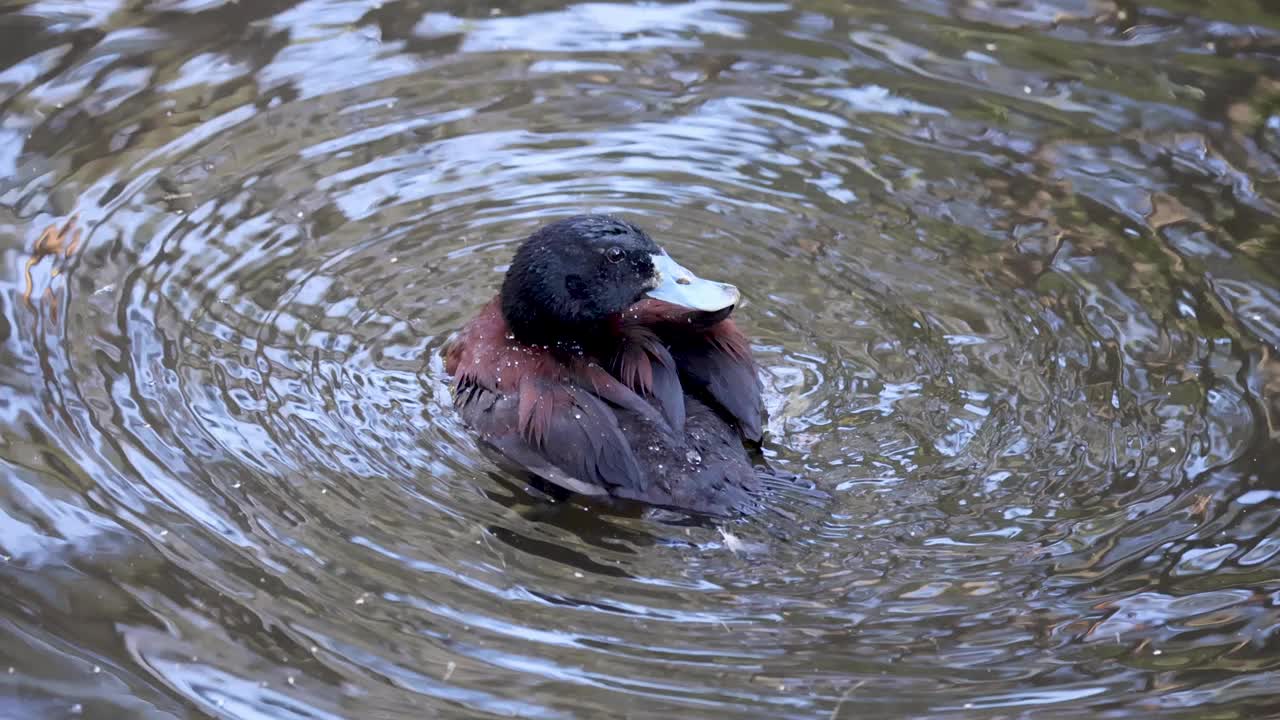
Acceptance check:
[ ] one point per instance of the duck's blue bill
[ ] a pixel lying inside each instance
(678, 286)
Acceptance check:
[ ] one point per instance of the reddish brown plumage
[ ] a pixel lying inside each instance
(486, 356)
(667, 320)
(637, 351)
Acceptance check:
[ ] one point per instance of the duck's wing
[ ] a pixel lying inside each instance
(713, 359)
(555, 420)
(563, 435)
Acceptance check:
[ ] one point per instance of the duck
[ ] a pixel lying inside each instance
(605, 369)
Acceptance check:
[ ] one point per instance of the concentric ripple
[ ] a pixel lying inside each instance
(1010, 270)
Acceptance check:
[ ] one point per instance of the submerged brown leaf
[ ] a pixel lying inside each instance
(54, 242)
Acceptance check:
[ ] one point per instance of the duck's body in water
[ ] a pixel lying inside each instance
(606, 369)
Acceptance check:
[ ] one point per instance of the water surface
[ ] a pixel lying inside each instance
(1011, 269)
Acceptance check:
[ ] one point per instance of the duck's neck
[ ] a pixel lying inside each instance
(557, 334)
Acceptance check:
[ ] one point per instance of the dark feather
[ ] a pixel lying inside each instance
(732, 384)
(575, 442)
(608, 388)
(714, 359)
(646, 366)
(708, 472)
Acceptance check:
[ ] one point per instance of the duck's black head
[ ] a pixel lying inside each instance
(572, 275)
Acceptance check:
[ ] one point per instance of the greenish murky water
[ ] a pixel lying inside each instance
(1012, 270)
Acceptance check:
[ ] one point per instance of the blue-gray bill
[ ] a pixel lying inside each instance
(679, 286)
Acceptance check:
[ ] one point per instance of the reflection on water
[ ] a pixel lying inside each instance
(1011, 269)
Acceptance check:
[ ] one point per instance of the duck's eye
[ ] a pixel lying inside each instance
(614, 254)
